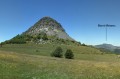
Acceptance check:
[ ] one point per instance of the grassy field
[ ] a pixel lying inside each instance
(24, 62)
(46, 49)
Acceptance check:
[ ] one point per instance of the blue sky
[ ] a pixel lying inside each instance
(78, 17)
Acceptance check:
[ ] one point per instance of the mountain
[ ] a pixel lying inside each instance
(50, 27)
(109, 48)
(106, 46)
(46, 30)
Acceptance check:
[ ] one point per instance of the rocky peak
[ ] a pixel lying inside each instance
(49, 26)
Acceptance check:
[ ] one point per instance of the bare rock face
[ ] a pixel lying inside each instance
(49, 26)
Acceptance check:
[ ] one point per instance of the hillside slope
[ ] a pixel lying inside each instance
(46, 49)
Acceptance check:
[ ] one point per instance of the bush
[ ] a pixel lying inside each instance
(37, 50)
(84, 44)
(0, 44)
(57, 53)
(69, 54)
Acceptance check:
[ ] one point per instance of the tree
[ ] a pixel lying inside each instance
(38, 36)
(19, 39)
(117, 51)
(84, 44)
(69, 54)
(44, 37)
(79, 43)
(57, 52)
(1, 44)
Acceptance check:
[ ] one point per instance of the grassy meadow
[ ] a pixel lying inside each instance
(28, 61)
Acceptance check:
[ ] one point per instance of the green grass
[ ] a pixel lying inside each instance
(46, 49)
(23, 62)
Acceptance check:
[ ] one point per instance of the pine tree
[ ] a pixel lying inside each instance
(57, 52)
(69, 54)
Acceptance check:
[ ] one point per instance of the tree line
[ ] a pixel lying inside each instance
(22, 39)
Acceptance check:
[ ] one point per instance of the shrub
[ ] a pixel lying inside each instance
(37, 50)
(44, 37)
(57, 52)
(69, 54)
(84, 44)
(0, 44)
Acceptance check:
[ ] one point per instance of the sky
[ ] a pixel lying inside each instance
(79, 18)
